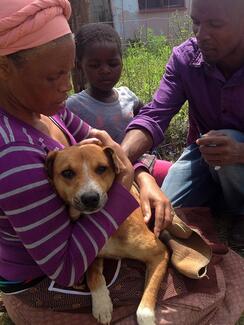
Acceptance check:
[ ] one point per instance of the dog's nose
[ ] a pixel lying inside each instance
(90, 200)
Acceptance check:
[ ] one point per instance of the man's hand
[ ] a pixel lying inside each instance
(151, 196)
(219, 149)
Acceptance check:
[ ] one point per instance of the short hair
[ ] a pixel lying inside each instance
(95, 32)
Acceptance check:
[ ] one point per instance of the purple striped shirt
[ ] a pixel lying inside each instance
(36, 234)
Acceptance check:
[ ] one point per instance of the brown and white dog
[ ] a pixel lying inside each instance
(82, 176)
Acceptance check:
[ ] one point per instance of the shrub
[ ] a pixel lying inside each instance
(180, 28)
(144, 65)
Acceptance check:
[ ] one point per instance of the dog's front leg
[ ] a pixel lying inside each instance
(102, 307)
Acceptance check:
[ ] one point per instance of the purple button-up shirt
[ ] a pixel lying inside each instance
(214, 102)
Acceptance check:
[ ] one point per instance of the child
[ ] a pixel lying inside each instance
(99, 58)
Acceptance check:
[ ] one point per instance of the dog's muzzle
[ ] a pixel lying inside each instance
(89, 202)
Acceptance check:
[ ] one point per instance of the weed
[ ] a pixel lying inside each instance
(144, 65)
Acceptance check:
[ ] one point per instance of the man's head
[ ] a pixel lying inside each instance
(219, 29)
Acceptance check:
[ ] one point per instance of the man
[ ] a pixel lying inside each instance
(208, 71)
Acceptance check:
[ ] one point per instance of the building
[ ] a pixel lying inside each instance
(131, 17)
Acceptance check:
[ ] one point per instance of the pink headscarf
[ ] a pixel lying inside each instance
(26, 24)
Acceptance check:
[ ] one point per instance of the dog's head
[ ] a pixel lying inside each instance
(82, 176)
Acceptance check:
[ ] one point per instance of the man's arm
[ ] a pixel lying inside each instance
(146, 130)
(136, 143)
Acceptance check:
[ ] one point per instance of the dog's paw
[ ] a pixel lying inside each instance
(145, 316)
(102, 306)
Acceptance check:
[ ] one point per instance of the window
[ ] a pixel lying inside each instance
(160, 4)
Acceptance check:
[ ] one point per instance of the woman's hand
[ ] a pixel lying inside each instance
(126, 173)
(151, 196)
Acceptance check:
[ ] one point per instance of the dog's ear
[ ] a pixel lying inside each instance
(117, 163)
(49, 163)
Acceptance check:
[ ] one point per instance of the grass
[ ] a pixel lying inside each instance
(144, 63)
(241, 321)
(5, 320)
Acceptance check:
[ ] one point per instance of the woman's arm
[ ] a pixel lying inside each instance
(62, 249)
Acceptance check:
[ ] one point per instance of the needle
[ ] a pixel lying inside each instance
(211, 145)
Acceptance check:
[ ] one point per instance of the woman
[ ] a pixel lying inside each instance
(38, 241)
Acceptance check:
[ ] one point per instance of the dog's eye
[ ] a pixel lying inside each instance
(101, 169)
(68, 173)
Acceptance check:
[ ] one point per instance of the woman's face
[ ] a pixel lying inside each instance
(41, 83)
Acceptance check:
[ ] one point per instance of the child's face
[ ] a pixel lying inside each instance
(102, 65)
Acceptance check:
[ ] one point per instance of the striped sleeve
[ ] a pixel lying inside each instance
(62, 249)
(76, 126)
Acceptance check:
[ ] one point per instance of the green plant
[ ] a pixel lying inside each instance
(175, 136)
(144, 64)
(180, 28)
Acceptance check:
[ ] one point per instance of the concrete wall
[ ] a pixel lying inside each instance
(128, 20)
